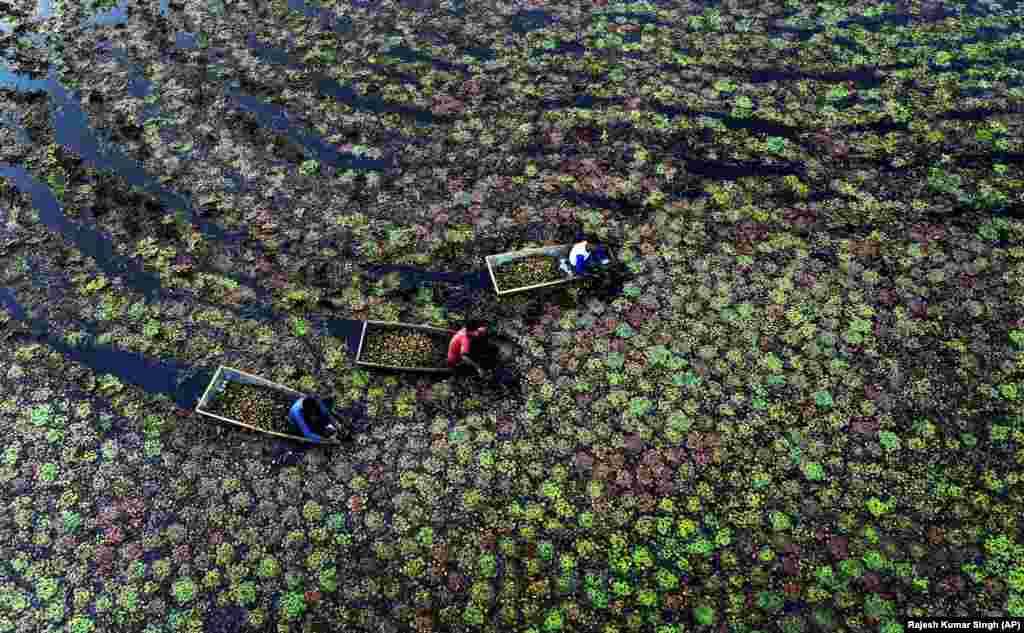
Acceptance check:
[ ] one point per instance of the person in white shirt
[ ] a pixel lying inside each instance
(582, 261)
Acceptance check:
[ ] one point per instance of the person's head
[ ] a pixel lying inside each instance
(310, 410)
(475, 327)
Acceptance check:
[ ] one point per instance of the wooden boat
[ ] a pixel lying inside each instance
(370, 326)
(558, 252)
(225, 375)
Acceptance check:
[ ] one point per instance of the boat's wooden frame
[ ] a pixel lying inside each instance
(407, 326)
(558, 251)
(223, 375)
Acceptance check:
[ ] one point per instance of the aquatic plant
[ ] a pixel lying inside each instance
(293, 604)
(184, 590)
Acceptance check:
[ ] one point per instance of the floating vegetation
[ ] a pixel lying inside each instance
(259, 406)
(797, 407)
(528, 271)
(397, 347)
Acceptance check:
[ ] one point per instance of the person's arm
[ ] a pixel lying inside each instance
(307, 433)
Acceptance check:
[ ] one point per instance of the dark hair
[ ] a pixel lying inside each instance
(473, 324)
(310, 409)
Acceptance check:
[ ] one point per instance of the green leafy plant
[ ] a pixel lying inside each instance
(813, 471)
(293, 604)
(268, 568)
(640, 406)
(877, 507)
(770, 601)
(488, 566)
(823, 399)
(704, 614)
(875, 560)
(184, 590)
(553, 621)
(780, 521)
(667, 581)
(889, 440)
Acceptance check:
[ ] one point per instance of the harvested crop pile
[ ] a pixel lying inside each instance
(259, 406)
(405, 348)
(528, 271)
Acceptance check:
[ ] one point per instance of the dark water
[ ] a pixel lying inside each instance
(89, 241)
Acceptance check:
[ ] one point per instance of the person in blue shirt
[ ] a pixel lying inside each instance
(314, 419)
(583, 260)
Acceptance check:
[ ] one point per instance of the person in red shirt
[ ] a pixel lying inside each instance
(458, 349)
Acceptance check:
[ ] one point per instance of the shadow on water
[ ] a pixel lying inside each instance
(531, 20)
(112, 16)
(90, 241)
(329, 20)
(182, 383)
(277, 119)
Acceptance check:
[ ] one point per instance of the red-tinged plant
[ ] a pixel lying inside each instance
(651, 457)
(105, 559)
(553, 137)
(313, 596)
(805, 279)
(927, 233)
(584, 461)
(216, 537)
(801, 217)
(936, 535)
(873, 392)
(439, 553)
(792, 589)
(644, 475)
(665, 486)
(114, 535)
(968, 281)
(583, 399)
(488, 541)
(471, 87)
(447, 104)
(441, 218)
(646, 502)
(356, 503)
(633, 442)
(871, 581)
(888, 297)
(182, 553)
(456, 582)
(585, 134)
(865, 425)
(424, 621)
(952, 584)
(839, 546)
(752, 231)
(624, 479)
(791, 565)
(374, 472)
(865, 248)
(919, 309)
(506, 426)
